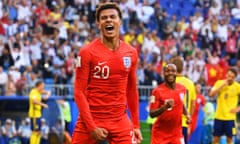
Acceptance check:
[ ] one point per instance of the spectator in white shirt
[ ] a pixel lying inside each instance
(24, 16)
(15, 74)
(214, 10)
(1, 9)
(4, 79)
(195, 73)
(145, 12)
(222, 31)
(197, 21)
(236, 12)
(44, 131)
(24, 131)
(124, 6)
(66, 48)
(24, 11)
(213, 58)
(51, 48)
(35, 48)
(11, 28)
(148, 43)
(26, 52)
(207, 25)
(84, 27)
(134, 6)
(8, 131)
(62, 29)
(16, 50)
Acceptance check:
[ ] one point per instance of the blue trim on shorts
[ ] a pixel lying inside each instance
(185, 134)
(223, 127)
(36, 124)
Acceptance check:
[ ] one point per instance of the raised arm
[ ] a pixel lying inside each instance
(10, 44)
(21, 45)
(216, 89)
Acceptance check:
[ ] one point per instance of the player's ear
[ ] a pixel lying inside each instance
(97, 24)
(120, 23)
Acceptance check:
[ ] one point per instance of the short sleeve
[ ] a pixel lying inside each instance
(193, 92)
(216, 85)
(155, 101)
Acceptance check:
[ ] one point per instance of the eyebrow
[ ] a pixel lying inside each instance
(106, 15)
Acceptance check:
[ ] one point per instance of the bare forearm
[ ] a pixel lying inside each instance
(213, 92)
(157, 112)
(36, 102)
(185, 111)
(48, 93)
(193, 104)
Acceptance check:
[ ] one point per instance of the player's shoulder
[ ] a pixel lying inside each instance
(180, 87)
(160, 87)
(189, 80)
(219, 81)
(33, 92)
(128, 47)
(89, 47)
(185, 80)
(236, 84)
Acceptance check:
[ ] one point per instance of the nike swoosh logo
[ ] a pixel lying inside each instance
(101, 63)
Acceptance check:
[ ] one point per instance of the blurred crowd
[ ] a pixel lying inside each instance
(39, 39)
(15, 132)
(11, 132)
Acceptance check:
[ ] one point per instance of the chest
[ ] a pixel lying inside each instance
(199, 101)
(229, 92)
(177, 96)
(107, 64)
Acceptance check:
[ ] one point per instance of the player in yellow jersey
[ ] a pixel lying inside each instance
(227, 92)
(190, 97)
(35, 109)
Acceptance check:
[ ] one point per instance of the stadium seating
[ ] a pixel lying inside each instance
(49, 81)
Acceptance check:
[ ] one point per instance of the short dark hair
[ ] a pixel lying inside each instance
(107, 5)
(38, 83)
(179, 63)
(233, 70)
(169, 64)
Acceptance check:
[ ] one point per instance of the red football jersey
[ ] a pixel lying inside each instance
(168, 125)
(106, 83)
(200, 101)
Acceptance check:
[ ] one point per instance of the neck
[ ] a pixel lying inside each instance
(39, 90)
(231, 83)
(111, 43)
(170, 85)
(179, 74)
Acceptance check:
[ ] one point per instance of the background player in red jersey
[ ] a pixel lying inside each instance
(166, 103)
(106, 85)
(200, 101)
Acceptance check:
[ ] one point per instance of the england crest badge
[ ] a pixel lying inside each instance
(127, 62)
(182, 96)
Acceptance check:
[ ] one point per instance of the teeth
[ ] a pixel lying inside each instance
(109, 27)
